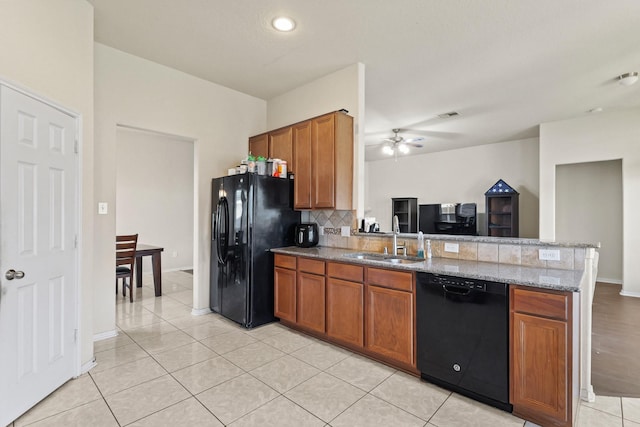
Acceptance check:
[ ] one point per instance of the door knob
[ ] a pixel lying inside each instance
(12, 274)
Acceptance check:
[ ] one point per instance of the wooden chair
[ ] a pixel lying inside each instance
(125, 262)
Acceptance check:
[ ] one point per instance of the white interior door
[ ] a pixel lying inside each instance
(38, 196)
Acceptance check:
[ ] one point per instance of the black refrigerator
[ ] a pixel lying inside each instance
(250, 215)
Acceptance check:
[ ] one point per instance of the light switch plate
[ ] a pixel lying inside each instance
(451, 247)
(345, 231)
(549, 254)
(102, 208)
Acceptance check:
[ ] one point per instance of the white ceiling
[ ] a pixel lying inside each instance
(504, 65)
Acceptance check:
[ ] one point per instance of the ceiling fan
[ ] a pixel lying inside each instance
(396, 143)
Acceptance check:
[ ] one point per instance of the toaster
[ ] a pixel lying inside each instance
(306, 235)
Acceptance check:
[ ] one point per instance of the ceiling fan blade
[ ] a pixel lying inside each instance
(415, 144)
(410, 140)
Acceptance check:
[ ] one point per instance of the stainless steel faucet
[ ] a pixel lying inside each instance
(396, 231)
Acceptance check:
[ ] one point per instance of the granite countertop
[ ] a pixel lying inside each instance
(547, 278)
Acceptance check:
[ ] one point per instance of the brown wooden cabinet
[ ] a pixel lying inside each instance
(281, 146)
(542, 386)
(345, 303)
(302, 162)
(285, 287)
(311, 294)
(259, 145)
(389, 315)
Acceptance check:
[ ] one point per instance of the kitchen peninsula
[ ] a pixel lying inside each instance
(368, 304)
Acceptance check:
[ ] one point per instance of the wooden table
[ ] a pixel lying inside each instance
(154, 252)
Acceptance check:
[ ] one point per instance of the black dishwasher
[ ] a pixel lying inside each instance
(462, 328)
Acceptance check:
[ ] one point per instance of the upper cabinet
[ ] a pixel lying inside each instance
(502, 210)
(319, 152)
(259, 145)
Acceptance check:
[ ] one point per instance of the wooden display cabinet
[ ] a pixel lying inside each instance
(502, 210)
(407, 211)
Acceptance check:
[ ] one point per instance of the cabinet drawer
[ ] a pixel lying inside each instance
(311, 265)
(285, 261)
(401, 280)
(541, 303)
(354, 273)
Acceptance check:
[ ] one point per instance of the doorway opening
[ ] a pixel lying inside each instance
(155, 199)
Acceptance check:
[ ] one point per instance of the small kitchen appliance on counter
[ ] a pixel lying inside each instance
(306, 235)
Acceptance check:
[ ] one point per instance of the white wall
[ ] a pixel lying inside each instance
(589, 209)
(138, 93)
(342, 89)
(604, 136)
(154, 194)
(47, 48)
(462, 175)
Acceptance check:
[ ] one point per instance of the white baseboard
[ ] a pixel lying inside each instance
(88, 366)
(200, 311)
(105, 335)
(587, 394)
(630, 294)
(607, 280)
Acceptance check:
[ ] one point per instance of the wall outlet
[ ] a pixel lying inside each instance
(549, 254)
(103, 208)
(451, 247)
(345, 231)
(174, 254)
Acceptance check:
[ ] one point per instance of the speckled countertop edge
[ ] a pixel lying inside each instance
(484, 239)
(547, 278)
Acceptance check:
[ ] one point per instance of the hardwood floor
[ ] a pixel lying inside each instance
(615, 342)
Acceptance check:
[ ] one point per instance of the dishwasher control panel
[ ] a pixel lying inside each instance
(459, 282)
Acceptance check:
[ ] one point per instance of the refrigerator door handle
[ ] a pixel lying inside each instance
(223, 240)
(216, 232)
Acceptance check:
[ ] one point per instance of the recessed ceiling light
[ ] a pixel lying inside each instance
(596, 110)
(283, 23)
(627, 79)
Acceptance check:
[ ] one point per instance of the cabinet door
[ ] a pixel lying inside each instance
(539, 367)
(302, 165)
(345, 321)
(281, 145)
(311, 301)
(389, 323)
(323, 166)
(259, 145)
(285, 294)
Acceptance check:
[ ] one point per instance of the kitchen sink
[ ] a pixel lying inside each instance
(390, 259)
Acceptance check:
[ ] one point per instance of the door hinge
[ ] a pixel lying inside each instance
(75, 335)
(75, 146)
(75, 242)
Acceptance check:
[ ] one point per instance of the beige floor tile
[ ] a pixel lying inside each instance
(189, 413)
(171, 288)
(608, 404)
(137, 320)
(284, 373)
(237, 397)
(266, 331)
(361, 372)
(72, 394)
(94, 414)
(204, 375)
(371, 412)
(164, 342)
(288, 341)
(631, 409)
(117, 341)
(208, 329)
(144, 399)
(229, 341)
(117, 356)
(628, 423)
(458, 410)
(184, 356)
(280, 412)
(321, 355)
(191, 320)
(411, 394)
(160, 305)
(589, 417)
(182, 294)
(325, 396)
(175, 312)
(127, 375)
(150, 331)
(253, 355)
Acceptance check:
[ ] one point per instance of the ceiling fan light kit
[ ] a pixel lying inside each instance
(627, 79)
(396, 143)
